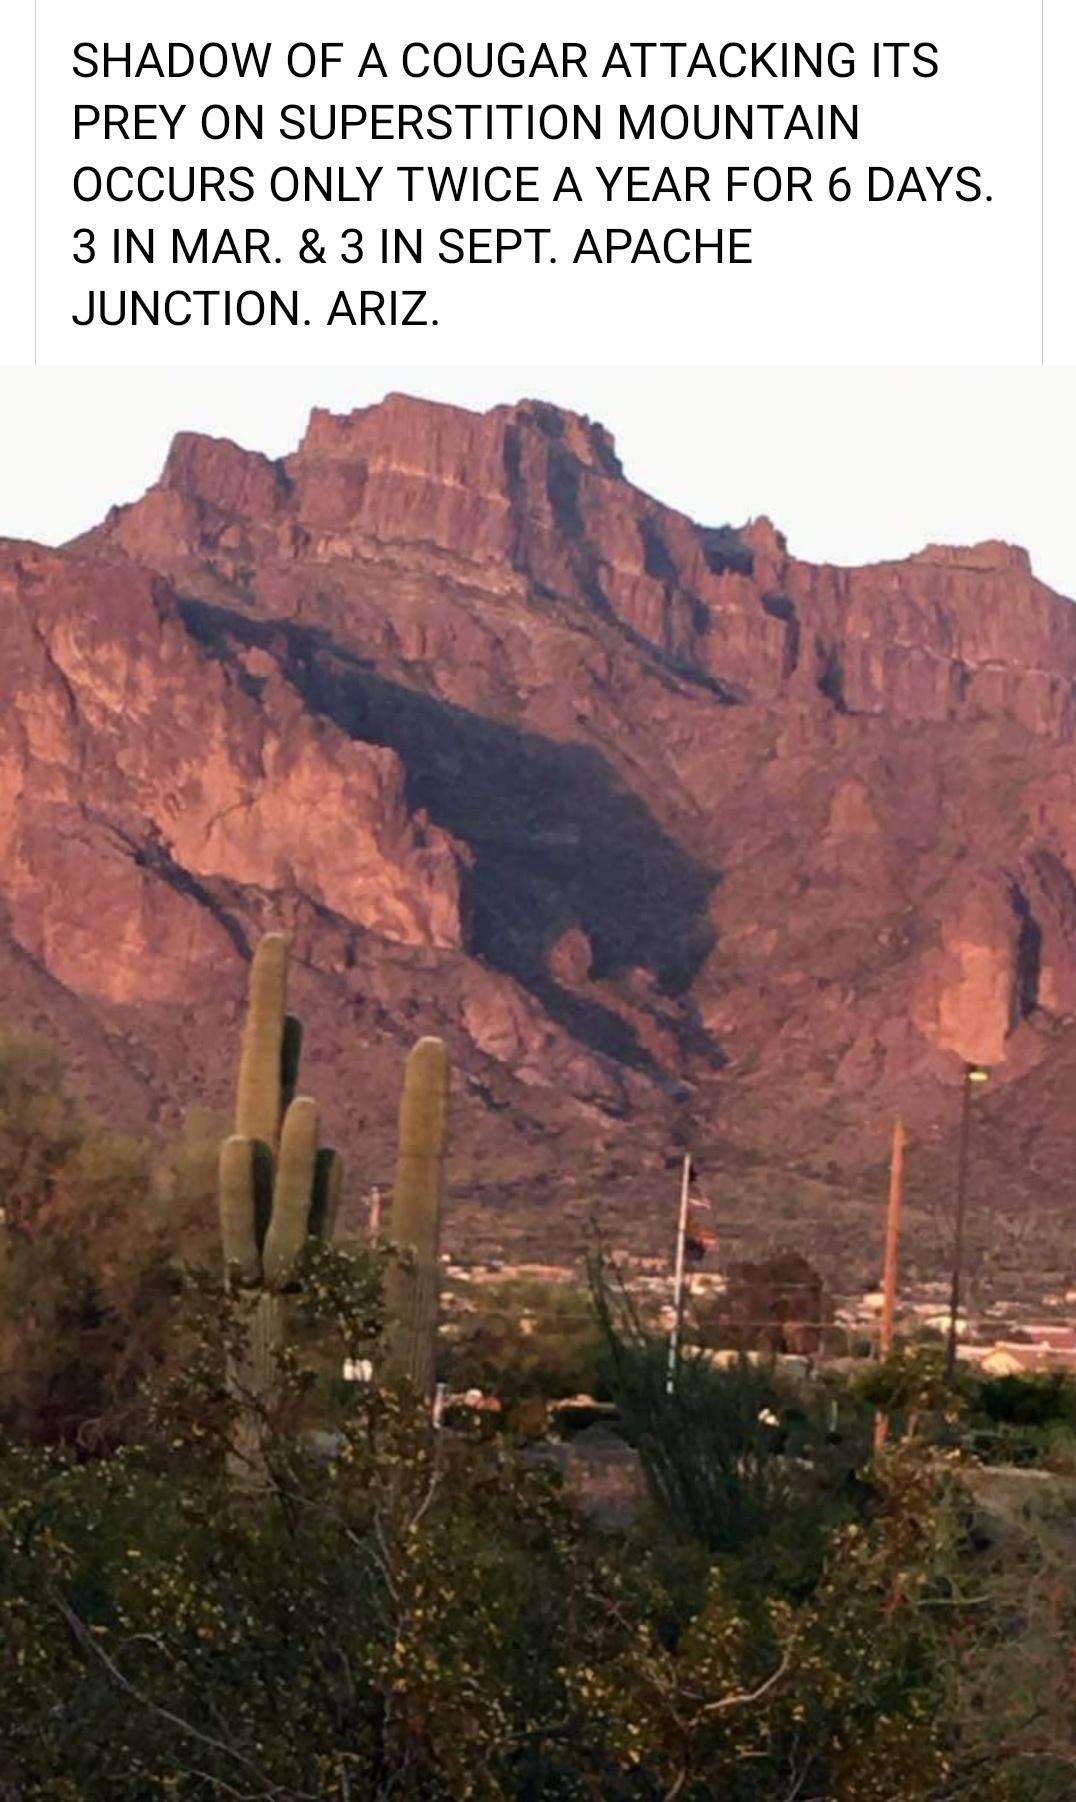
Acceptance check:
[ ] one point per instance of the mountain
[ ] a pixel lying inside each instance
(675, 837)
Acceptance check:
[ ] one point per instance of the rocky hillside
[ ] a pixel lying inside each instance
(671, 834)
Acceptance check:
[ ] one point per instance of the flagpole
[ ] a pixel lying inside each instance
(678, 1279)
(892, 1236)
(892, 1258)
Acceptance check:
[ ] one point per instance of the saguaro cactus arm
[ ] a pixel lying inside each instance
(238, 1212)
(261, 1062)
(293, 1193)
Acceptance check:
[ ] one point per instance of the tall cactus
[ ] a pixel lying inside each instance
(276, 1187)
(411, 1286)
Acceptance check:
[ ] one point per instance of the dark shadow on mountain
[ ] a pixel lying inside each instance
(1028, 955)
(558, 840)
(153, 856)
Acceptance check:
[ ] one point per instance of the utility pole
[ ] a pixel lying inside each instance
(678, 1279)
(892, 1261)
(973, 1073)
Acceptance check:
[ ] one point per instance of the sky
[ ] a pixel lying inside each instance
(853, 465)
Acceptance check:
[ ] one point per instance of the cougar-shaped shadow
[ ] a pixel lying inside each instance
(557, 839)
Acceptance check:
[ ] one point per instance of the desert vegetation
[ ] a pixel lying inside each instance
(226, 1572)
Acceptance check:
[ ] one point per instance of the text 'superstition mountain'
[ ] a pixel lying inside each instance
(673, 837)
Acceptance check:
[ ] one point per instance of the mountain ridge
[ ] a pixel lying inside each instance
(671, 833)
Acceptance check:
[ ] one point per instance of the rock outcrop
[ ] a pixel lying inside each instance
(665, 829)
(135, 767)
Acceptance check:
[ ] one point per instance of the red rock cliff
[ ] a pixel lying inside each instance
(656, 821)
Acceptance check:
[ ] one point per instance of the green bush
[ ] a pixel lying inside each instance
(1039, 1399)
(418, 1615)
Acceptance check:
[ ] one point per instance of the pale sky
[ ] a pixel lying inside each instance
(853, 465)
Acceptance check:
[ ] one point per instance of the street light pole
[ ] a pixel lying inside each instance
(973, 1073)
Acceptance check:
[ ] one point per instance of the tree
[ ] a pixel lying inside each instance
(40, 1125)
(776, 1304)
(90, 1255)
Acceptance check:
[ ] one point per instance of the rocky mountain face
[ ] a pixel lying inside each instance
(673, 836)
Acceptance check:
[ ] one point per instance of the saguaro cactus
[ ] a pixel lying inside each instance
(411, 1286)
(276, 1188)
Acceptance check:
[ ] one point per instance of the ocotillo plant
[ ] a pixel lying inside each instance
(411, 1285)
(277, 1189)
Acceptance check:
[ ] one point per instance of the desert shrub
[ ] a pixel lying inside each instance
(92, 1243)
(736, 1458)
(1039, 1399)
(421, 1615)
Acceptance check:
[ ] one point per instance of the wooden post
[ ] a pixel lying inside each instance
(892, 1260)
